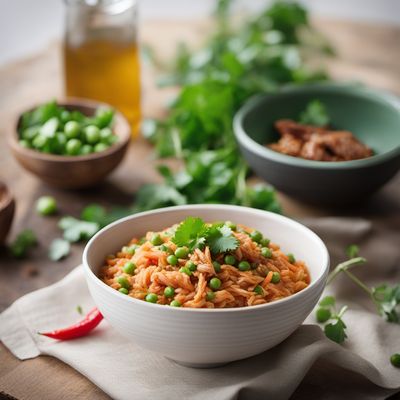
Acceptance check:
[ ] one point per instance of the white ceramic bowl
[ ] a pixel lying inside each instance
(207, 337)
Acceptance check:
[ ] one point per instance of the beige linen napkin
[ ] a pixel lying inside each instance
(306, 365)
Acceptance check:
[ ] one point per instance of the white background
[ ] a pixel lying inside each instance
(27, 26)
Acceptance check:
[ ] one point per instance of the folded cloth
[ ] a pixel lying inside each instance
(306, 365)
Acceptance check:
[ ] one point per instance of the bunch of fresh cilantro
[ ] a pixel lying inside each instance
(260, 54)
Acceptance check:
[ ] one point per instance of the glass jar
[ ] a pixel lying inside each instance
(101, 56)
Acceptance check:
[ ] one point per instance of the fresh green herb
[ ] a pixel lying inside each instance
(315, 114)
(79, 310)
(259, 55)
(190, 233)
(76, 230)
(336, 328)
(23, 243)
(385, 298)
(220, 239)
(59, 248)
(352, 251)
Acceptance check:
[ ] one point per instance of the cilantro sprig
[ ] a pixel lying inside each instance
(335, 329)
(194, 233)
(385, 298)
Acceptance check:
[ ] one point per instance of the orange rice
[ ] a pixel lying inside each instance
(153, 274)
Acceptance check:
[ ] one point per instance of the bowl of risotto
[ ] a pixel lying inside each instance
(205, 285)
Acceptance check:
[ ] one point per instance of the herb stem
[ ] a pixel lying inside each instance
(344, 266)
(358, 282)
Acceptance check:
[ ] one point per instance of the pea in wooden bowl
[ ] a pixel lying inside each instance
(7, 208)
(73, 172)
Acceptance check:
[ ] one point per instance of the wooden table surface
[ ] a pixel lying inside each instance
(365, 52)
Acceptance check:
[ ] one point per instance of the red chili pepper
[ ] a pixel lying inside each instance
(82, 328)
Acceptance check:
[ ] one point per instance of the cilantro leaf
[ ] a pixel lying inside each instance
(76, 230)
(336, 331)
(315, 114)
(220, 239)
(25, 240)
(190, 233)
(59, 248)
(352, 251)
(388, 301)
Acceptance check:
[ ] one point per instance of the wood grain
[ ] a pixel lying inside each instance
(365, 52)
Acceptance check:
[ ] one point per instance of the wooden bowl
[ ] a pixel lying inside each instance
(7, 208)
(72, 172)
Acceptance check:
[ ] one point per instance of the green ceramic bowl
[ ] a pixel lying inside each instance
(372, 116)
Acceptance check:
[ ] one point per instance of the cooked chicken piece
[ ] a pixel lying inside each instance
(318, 143)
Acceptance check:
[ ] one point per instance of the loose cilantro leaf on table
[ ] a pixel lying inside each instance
(25, 240)
(59, 248)
(335, 329)
(387, 300)
(76, 230)
(315, 114)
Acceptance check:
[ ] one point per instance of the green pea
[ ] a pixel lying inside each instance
(105, 135)
(73, 147)
(395, 360)
(244, 266)
(230, 259)
(151, 298)
(25, 143)
(291, 258)
(165, 248)
(266, 252)
(39, 141)
(123, 290)
(30, 133)
(72, 129)
(175, 303)
(185, 270)
(92, 134)
(215, 283)
(65, 116)
(58, 143)
(46, 205)
(156, 240)
(210, 296)
(182, 252)
(86, 149)
(123, 282)
(129, 268)
(230, 225)
(265, 242)
(131, 250)
(169, 291)
(256, 236)
(99, 147)
(323, 314)
(172, 260)
(276, 277)
(259, 290)
(217, 266)
(112, 139)
(191, 266)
